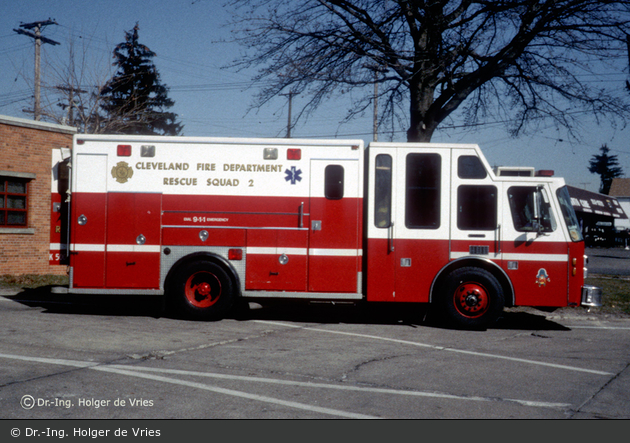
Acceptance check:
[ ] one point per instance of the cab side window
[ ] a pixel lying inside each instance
(523, 212)
(477, 208)
(470, 167)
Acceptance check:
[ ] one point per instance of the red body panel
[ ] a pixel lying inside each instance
(130, 264)
(87, 254)
(409, 285)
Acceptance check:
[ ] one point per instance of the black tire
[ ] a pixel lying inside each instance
(201, 290)
(472, 298)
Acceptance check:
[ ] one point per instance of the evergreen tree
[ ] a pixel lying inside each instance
(607, 167)
(134, 100)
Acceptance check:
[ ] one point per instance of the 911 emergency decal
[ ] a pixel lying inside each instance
(122, 172)
(542, 278)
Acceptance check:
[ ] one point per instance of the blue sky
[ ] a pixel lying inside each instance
(191, 41)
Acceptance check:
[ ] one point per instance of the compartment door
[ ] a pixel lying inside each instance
(89, 207)
(133, 240)
(335, 240)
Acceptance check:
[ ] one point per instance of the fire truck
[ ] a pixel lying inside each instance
(207, 222)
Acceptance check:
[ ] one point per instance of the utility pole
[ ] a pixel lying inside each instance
(290, 95)
(37, 36)
(70, 90)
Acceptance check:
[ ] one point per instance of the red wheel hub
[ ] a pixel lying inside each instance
(203, 289)
(471, 300)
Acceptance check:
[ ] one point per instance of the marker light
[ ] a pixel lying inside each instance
(235, 254)
(123, 150)
(294, 154)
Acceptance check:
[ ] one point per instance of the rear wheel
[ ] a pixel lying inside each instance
(202, 290)
(472, 298)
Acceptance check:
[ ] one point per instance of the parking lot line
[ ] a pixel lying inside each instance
(443, 348)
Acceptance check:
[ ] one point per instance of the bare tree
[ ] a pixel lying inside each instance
(522, 60)
(73, 88)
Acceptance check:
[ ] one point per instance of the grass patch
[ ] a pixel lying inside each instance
(615, 294)
(32, 280)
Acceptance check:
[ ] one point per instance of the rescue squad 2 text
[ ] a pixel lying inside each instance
(209, 167)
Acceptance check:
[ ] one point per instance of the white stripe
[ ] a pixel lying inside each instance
(232, 392)
(58, 247)
(309, 384)
(135, 371)
(537, 257)
(517, 257)
(132, 373)
(79, 247)
(303, 251)
(274, 251)
(133, 248)
(52, 361)
(335, 252)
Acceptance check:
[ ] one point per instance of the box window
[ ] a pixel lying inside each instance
(422, 191)
(333, 176)
(383, 191)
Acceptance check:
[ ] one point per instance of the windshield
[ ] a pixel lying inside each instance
(569, 214)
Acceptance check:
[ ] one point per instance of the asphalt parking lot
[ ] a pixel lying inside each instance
(70, 357)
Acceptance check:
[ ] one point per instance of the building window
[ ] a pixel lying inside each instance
(13, 202)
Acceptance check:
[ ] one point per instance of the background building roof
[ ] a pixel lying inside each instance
(620, 187)
(594, 203)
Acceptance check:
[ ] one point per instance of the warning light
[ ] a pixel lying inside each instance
(545, 173)
(294, 154)
(123, 150)
(235, 254)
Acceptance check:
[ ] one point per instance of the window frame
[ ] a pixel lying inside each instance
(421, 190)
(5, 195)
(334, 181)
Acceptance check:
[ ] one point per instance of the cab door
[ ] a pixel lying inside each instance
(535, 249)
(476, 208)
(408, 221)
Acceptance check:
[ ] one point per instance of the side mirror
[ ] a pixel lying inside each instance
(538, 198)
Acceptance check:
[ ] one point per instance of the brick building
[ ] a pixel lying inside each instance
(25, 183)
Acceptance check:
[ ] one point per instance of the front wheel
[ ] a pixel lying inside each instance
(201, 290)
(472, 298)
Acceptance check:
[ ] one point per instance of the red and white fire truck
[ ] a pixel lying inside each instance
(206, 221)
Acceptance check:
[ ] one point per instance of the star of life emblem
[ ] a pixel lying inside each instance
(293, 175)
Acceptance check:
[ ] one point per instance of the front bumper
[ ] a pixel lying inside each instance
(591, 296)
